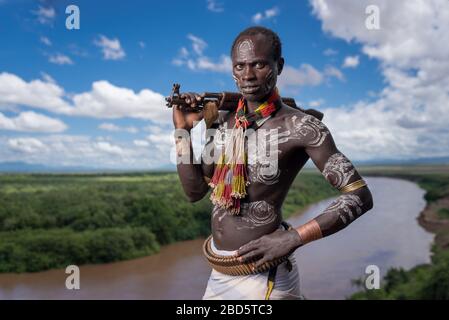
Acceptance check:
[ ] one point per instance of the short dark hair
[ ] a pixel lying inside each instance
(270, 34)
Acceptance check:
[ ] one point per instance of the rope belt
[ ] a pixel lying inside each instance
(231, 266)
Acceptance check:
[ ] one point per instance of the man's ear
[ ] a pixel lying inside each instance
(280, 65)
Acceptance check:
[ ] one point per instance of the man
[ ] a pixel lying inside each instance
(250, 249)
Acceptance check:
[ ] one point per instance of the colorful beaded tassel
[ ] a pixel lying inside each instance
(230, 177)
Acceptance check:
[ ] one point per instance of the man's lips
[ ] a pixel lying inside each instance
(250, 89)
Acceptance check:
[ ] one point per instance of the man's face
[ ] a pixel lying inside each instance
(254, 68)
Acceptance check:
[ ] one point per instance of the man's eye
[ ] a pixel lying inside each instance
(239, 67)
(260, 65)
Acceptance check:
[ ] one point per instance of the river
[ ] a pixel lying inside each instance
(387, 236)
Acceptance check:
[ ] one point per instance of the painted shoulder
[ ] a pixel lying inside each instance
(307, 130)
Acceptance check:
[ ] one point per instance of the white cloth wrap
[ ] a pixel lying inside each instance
(253, 287)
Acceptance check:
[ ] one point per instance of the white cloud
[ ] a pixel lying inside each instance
(69, 150)
(257, 17)
(198, 44)
(316, 103)
(27, 145)
(112, 127)
(163, 138)
(268, 14)
(405, 35)
(105, 100)
(331, 71)
(224, 64)
(214, 6)
(409, 118)
(183, 52)
(196, 60)
(351, 62)
(45, 15)
(45, 41)
(142, 44)
(330, 52)
(141, 143)
(306, 75)
(48, 78)
(302, 76)
(154, 129)
(36, 93)
(111, 48)
(60, 59)
(109, 148)
(30, 121)
(161, 141)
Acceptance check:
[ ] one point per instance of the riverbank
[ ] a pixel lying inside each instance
(92, 203)
(49, 221)
(429, 281)
(435, 181)
(435, 218)
(179, 270)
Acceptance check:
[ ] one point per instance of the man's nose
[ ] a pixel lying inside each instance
(248, 73)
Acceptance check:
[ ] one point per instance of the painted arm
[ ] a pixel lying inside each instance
(191, 174)
(314, 136)
(355, 198)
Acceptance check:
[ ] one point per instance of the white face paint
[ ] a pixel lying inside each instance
(253, 66)
(338, 170)
(245, 50)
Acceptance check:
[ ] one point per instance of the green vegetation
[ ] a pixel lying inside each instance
(50, 221)
(430, 281)
(443, 213)
(425, 282)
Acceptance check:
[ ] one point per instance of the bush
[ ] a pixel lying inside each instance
(35, 250)
(50, 221)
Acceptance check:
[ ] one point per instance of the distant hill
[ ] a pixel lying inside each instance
(416, 161)
(19, 166)
(25, 167)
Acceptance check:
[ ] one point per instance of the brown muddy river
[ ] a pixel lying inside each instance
(387, 236)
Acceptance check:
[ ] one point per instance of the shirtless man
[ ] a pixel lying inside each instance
(255, 234)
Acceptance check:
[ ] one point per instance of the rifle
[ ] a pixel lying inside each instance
(227, 101)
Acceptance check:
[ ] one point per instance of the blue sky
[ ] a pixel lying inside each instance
(93, 96)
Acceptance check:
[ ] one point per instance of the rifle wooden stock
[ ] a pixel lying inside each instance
(227, 101)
